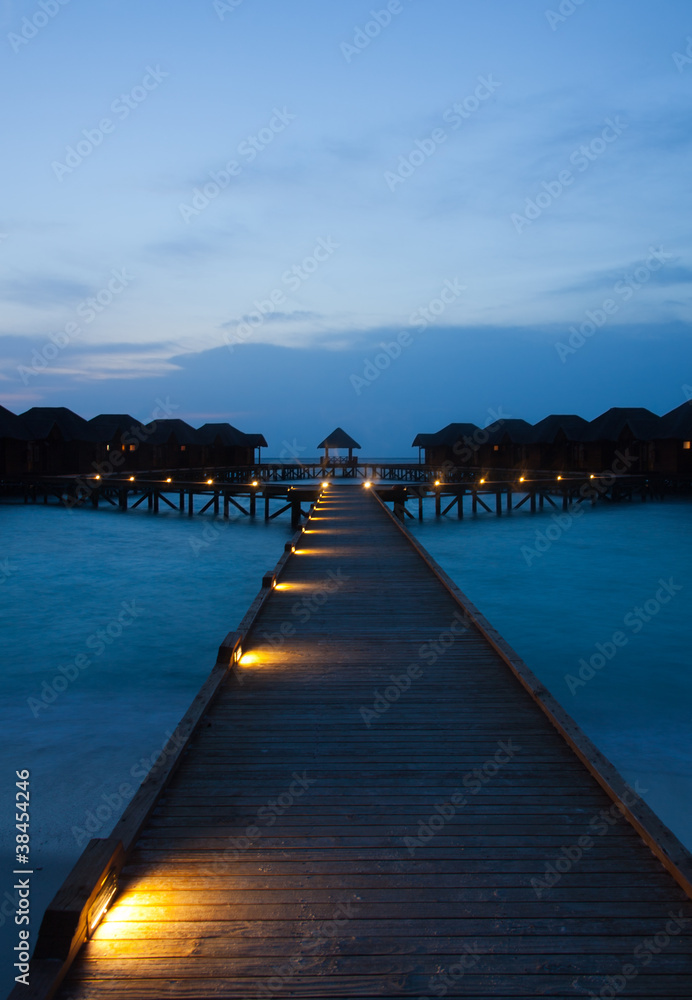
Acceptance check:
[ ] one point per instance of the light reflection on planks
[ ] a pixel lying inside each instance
(235, 891)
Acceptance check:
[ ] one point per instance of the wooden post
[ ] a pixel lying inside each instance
(474, 502)
(182, 500)
(226, 505)
(541, 501)
(95, 498)
(190, 503)
(533, 501)
(123, 498)
(266, 507)
(509, 499)
(498, 503)
(438, 501)
(460, 505)
(216, 501)
(156, 501)
(295, 513)
(253, 503)
(420, 508)
(565, 498)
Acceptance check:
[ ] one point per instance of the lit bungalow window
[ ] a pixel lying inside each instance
(687, 445)
(496, 447)
(183, 447)
(108, 447)
(133, 447)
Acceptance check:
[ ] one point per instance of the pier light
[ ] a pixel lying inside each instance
(247, 659)
(559, 478)
(482, 481)
(209, 482)
(97, 477)
(132, 479)
(367, 485)
(592, 476)
(254, 483)
(104, 897)
(268, 581)
(169, 480)
(522, 479)
(437, 482)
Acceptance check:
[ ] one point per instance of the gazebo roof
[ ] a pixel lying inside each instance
(338, 439)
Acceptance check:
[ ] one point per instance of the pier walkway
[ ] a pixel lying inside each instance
(380, 800)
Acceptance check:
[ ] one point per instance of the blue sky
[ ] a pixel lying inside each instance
(352, 203)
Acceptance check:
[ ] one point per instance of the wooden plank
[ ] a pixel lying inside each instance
(234, 874)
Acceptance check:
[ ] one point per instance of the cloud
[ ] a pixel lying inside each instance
(42, 291)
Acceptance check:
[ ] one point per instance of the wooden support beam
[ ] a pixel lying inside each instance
(190, 503)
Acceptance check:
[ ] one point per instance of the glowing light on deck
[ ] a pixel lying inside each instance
(482, 482)
(97, 477)
(132, 479)
(367, 485)
(209, 482)
(248, 659)
(169, 480)
(521, 479)
(559, 478)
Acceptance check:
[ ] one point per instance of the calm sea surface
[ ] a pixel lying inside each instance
(146, 601)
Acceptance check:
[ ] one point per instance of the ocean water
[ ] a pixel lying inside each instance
(67, 578)
(146, 600)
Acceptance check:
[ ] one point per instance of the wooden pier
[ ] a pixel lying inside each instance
(197, 493)
(376, 798)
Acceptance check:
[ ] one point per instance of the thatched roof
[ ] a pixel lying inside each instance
(339, 439)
